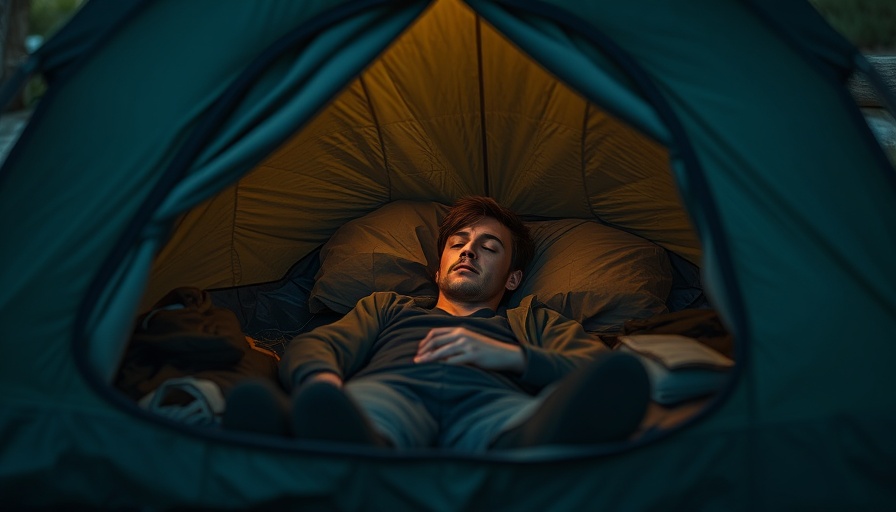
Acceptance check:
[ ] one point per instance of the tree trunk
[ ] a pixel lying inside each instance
(13, 30)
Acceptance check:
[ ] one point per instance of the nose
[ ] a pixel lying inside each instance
(468, 252)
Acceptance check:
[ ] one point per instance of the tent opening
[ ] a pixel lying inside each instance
(451, 108)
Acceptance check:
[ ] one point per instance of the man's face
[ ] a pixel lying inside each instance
(475, 264)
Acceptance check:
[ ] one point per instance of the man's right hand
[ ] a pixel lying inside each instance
(328, 377)
(459, 345)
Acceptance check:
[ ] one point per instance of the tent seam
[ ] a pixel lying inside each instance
(483, 126)
(234, 256)
(582, 159)
(379, 135)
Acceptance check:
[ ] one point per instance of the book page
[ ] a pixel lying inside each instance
(676, 351)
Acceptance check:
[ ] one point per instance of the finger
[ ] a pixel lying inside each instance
(453, 348)
(434, 339)
(425, 344)
(437, 354)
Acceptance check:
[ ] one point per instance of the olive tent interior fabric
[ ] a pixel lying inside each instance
(216, 145)
(434, 118)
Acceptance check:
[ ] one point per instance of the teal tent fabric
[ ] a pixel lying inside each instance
(793, 201)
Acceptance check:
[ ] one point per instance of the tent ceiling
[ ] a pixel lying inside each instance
(451, 108)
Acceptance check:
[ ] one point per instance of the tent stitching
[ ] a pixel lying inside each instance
(583, 159)
(379, 135)
(483, 127)
(236, 276)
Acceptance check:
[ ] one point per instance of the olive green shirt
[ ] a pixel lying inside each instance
(370, 338)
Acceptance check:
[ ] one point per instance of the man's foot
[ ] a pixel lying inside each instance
(603, 402)
(324, 412)
(257, 406)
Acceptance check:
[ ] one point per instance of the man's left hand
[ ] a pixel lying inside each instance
(459, 345)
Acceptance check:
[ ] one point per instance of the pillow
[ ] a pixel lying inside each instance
(390, 249)
(596, 274)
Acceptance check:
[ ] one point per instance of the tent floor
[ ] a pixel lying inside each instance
(660, 417)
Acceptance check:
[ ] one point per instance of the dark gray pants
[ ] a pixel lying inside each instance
(441, 405)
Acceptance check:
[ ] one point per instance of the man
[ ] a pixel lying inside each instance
(459, 375)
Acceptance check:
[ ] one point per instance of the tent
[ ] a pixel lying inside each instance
(176, 137)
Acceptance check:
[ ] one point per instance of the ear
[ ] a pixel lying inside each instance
(514, 280)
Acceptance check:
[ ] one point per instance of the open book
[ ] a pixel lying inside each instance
(679, 368)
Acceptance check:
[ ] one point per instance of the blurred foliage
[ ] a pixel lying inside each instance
(44, 18)
(48, 15)
(868, 24)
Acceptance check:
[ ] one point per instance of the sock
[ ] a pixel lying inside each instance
(257, 406)
(324, 412)
(603, 402)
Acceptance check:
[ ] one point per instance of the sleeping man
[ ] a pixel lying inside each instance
(460, 375)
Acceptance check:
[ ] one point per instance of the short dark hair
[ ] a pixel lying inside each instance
(471, 209)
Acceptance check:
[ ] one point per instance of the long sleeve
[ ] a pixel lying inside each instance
(552, 344)
(342, 347)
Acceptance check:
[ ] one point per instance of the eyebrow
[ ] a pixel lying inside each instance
(466, 235)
